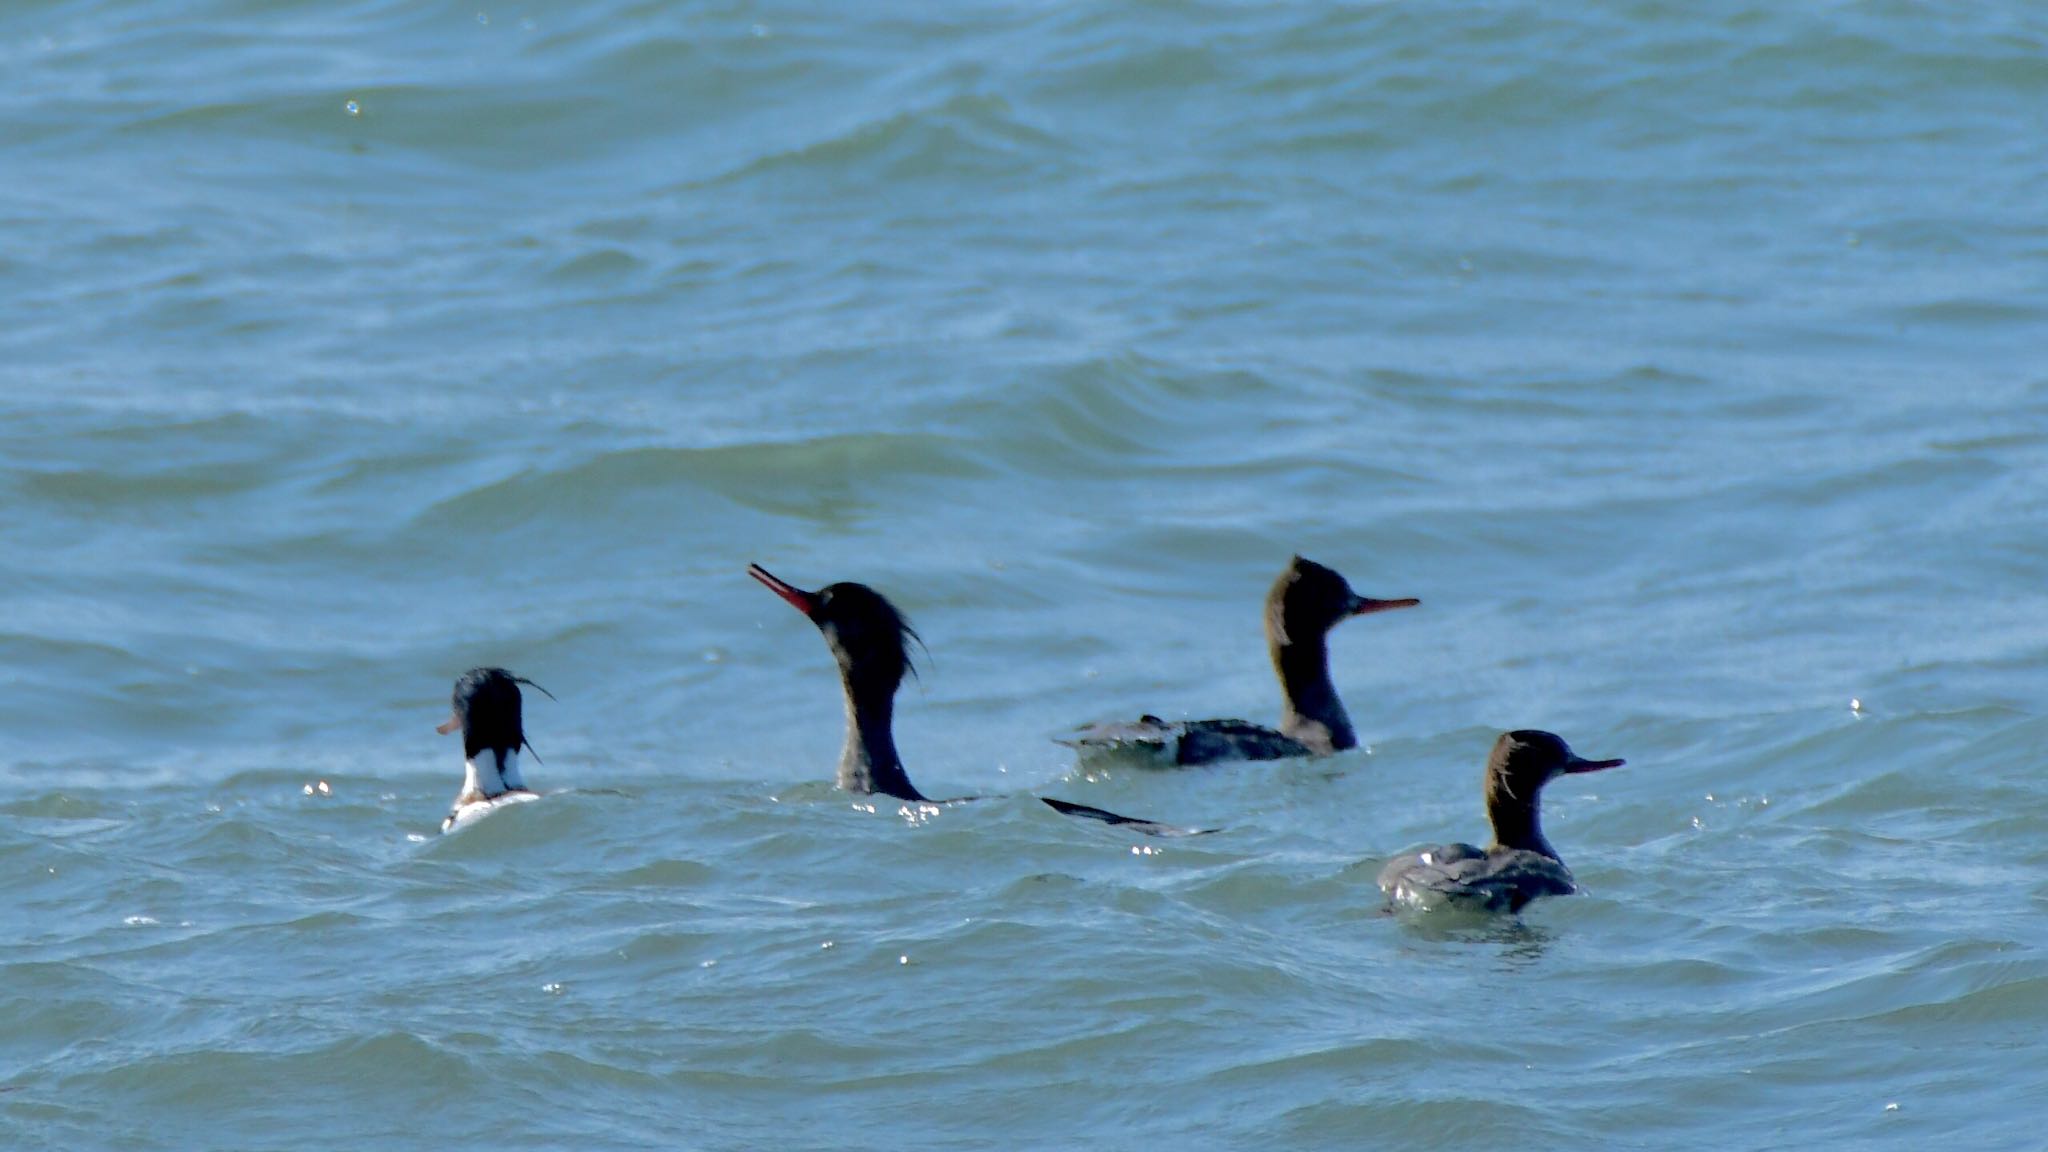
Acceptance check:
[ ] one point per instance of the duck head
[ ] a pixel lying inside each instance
(1309, 599)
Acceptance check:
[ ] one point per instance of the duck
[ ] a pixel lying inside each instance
(487, 710)
(1306, 601)
(870, 640)
(1520, 865)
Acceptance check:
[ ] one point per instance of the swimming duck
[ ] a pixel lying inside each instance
(486, 709)
(870, 640)
(1305, 602)
(1520, 864)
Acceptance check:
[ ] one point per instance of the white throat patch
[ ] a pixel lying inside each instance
(487, 782)
(490, 775)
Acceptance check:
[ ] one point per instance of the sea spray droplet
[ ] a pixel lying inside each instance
(353, 108)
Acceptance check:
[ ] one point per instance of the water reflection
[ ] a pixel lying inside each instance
(1521, 944)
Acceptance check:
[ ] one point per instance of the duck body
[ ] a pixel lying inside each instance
(1305, 602)
(1492, 879)
(1520, 865)
(467, 812)
(1186, 742)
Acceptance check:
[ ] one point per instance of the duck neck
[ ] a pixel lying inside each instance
(1312, 713)
(489, 774)
(1517, 821)
(869, 762)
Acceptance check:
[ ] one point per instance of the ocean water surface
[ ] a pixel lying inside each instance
(1685, 360)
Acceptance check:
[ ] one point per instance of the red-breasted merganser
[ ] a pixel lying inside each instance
(487, 708)
(1305, 603)
(870, 640)
(1520, 865)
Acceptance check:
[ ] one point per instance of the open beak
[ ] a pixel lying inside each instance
(1581, 764)
(802, 601)
(1366, 605)
(452, 724)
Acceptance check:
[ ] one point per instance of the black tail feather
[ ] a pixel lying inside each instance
(1148, 827)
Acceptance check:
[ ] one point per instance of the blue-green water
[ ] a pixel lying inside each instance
(1686, 361)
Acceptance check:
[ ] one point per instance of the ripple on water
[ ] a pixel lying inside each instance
(831, 479)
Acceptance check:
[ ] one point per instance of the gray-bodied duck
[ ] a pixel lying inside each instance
(1305, 603)
(1520, 864)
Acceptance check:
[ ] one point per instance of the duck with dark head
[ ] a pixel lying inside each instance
(1304, 604)
(1520, 864)
(870, 640)
(486, 707)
